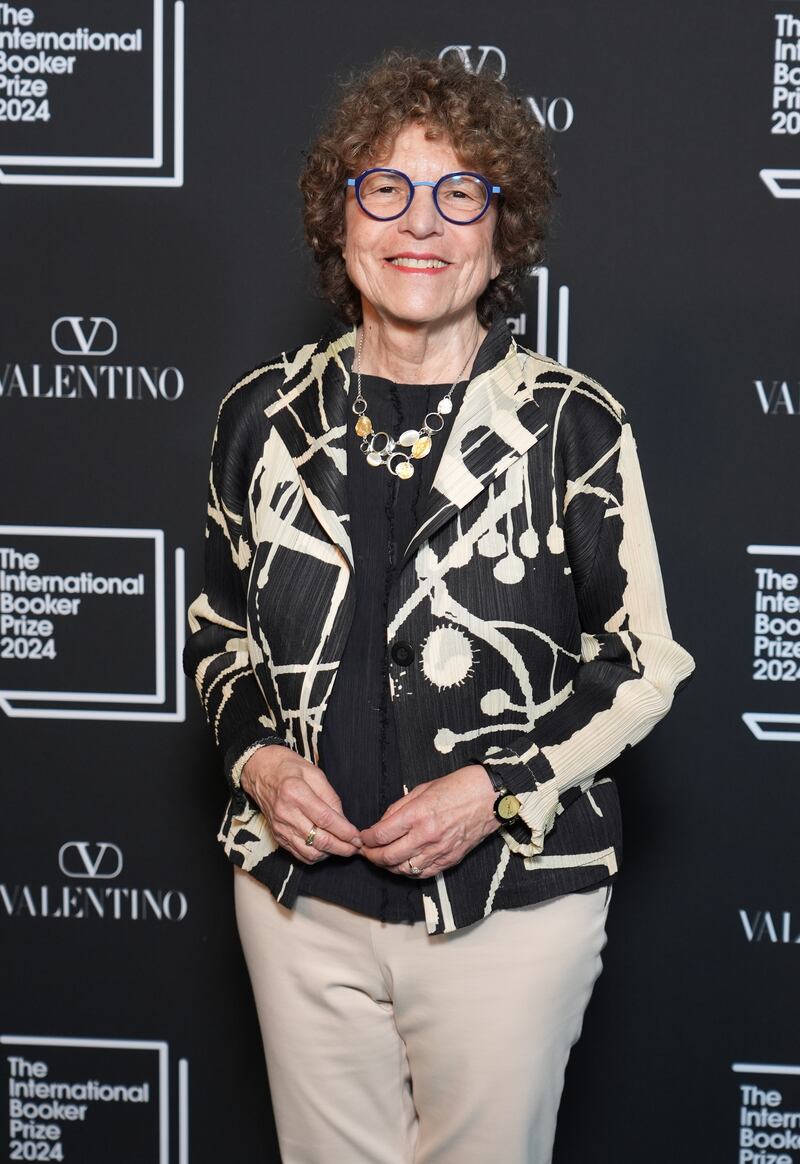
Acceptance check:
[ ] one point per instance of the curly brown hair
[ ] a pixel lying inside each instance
(490, 129)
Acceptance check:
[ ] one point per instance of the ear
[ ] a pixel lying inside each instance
(496, 265)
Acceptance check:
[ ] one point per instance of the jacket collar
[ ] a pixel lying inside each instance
(498, 421)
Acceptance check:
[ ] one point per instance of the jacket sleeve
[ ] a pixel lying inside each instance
(630, 666)
(216, 655)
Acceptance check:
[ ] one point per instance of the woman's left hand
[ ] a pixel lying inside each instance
(435, 824)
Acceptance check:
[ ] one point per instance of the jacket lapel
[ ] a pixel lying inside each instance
(499, 420)
(311, 415)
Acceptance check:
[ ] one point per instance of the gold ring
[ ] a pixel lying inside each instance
(311, 835)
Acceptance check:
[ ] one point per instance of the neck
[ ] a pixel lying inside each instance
(418, 353)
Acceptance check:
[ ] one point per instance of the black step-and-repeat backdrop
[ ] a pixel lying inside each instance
(151, 253)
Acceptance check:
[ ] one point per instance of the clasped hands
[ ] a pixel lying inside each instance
(434, 825)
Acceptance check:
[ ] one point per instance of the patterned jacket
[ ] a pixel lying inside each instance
(527, 627)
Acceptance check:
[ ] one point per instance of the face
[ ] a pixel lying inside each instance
(374, 251)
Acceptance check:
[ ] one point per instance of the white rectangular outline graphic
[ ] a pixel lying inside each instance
(183, 1111)
(157, 536)
(765, 1068)
(754, 719)
(179, 715)
(158, 118)
(154, 162)
(160, 1047)
(772, 179)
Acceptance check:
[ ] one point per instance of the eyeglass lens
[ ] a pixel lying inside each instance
(460, 198)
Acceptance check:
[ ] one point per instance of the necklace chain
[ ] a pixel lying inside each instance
(399, 453)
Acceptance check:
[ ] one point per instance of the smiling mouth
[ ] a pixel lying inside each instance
(418, 262)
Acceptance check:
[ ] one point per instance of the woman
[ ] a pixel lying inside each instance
(432, 614)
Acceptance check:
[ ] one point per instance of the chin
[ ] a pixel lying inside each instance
(416, 311)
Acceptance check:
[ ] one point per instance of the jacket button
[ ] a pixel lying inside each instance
(402, 653)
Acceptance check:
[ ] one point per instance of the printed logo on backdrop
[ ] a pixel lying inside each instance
(776, 642)
(484, 57)
(765, 925)
(91, 890)
(85, 631)
(89, 105)
(557, 113)
(89, 339)
(80, 1099)
(769, 1112)
(784, 40)
(81, 335)
(103, 859)
(778, 397)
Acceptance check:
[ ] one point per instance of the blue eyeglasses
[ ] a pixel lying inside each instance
(461, 198)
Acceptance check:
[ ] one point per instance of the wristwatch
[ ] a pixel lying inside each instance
(506, 807)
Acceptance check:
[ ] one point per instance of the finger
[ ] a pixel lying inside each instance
(342, 832)
(327, 843)
(431, 866)
(388, 829)
(404, 870)
(291, 832)
(308, 854)
(293, 837)
(396, 856)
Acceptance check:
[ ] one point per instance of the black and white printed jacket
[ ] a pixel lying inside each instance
(530, 597)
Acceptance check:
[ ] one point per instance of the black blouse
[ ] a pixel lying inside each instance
(357, 750)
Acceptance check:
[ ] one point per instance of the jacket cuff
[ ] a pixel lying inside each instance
(533, 782)
(239, 753)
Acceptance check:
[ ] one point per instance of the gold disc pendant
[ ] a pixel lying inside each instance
(363, 425)
(405, 470)
(421, 447)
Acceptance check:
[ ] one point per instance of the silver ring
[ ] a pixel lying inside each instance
(415, 872)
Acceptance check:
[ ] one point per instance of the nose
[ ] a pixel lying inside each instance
(422, 219)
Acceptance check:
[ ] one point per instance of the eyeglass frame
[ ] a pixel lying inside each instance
(487, 185)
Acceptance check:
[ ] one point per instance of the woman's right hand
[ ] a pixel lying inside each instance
(293, 794)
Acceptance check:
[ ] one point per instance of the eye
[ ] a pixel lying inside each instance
(382, 187)
(462, 190)
(462, 196)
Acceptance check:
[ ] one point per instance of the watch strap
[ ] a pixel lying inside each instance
(497, 780)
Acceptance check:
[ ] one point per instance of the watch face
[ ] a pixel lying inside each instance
(509, 807)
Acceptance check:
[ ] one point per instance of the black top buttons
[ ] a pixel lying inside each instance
(402, 653)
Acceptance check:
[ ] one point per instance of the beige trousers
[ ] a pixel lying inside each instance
(387, 1045)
